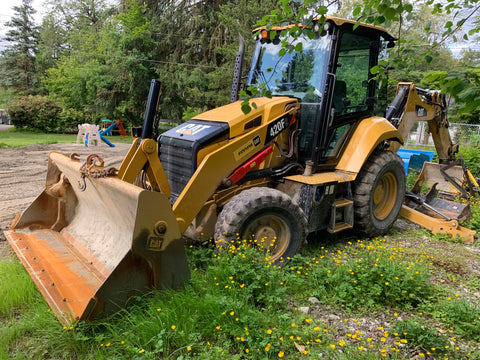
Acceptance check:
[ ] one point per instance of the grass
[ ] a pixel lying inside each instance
(12, 138)
(395, 297)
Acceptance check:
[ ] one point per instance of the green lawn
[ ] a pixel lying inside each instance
(407, 295)
(12, 138)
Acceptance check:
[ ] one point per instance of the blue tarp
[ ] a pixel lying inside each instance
(414, 159)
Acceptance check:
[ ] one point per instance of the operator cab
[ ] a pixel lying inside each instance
(331, 79)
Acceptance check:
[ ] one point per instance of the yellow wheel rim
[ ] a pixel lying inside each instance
(270, 233)
(384, 196)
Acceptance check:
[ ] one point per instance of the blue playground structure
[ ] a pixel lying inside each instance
(108, 131)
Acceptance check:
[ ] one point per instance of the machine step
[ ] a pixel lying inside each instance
(340, 226)
(341, 217)
(339, 203)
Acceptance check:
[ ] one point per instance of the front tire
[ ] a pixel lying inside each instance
(266, 218)
(379, 192)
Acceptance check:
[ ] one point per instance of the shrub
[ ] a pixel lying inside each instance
(69, 120)
(34, 112)
(472, 158)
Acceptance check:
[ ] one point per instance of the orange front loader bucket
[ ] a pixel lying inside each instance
(91, 243)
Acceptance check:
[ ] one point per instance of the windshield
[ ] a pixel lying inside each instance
(299, 74)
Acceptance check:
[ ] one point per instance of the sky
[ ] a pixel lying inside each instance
(6, 7)
(6, 12)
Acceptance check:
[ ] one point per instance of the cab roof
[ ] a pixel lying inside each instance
(340, 22)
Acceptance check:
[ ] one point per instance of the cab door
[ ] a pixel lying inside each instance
(353, 94)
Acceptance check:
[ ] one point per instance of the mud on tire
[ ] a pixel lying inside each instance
(266, 218)
(378, 193)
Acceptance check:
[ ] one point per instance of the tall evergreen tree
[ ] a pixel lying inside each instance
(17, 63)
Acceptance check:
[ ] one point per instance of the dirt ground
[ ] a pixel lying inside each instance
(23, 171)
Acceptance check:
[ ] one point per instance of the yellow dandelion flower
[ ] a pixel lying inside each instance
(308, 320)
(281, 354)
(189, 348)
(173, 327)
(232, 313)
(293, 325)
(332, 346)
(141, 351)
(269, 331)
(341, 343)
(316, 328)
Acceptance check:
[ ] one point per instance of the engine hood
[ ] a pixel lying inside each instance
(238, 122)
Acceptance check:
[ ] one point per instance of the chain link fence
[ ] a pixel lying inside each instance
(466, 135)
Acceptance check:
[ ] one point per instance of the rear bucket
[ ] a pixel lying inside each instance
(89, 246)
(431, 175)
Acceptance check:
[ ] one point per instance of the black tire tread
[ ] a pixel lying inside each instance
(363, 189)
(244, 204)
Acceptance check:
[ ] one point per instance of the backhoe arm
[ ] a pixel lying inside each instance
(412, 105)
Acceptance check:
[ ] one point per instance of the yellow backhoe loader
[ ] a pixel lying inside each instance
(310, 157)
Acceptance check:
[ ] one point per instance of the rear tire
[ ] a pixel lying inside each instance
(378, 193)
(266, 218)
